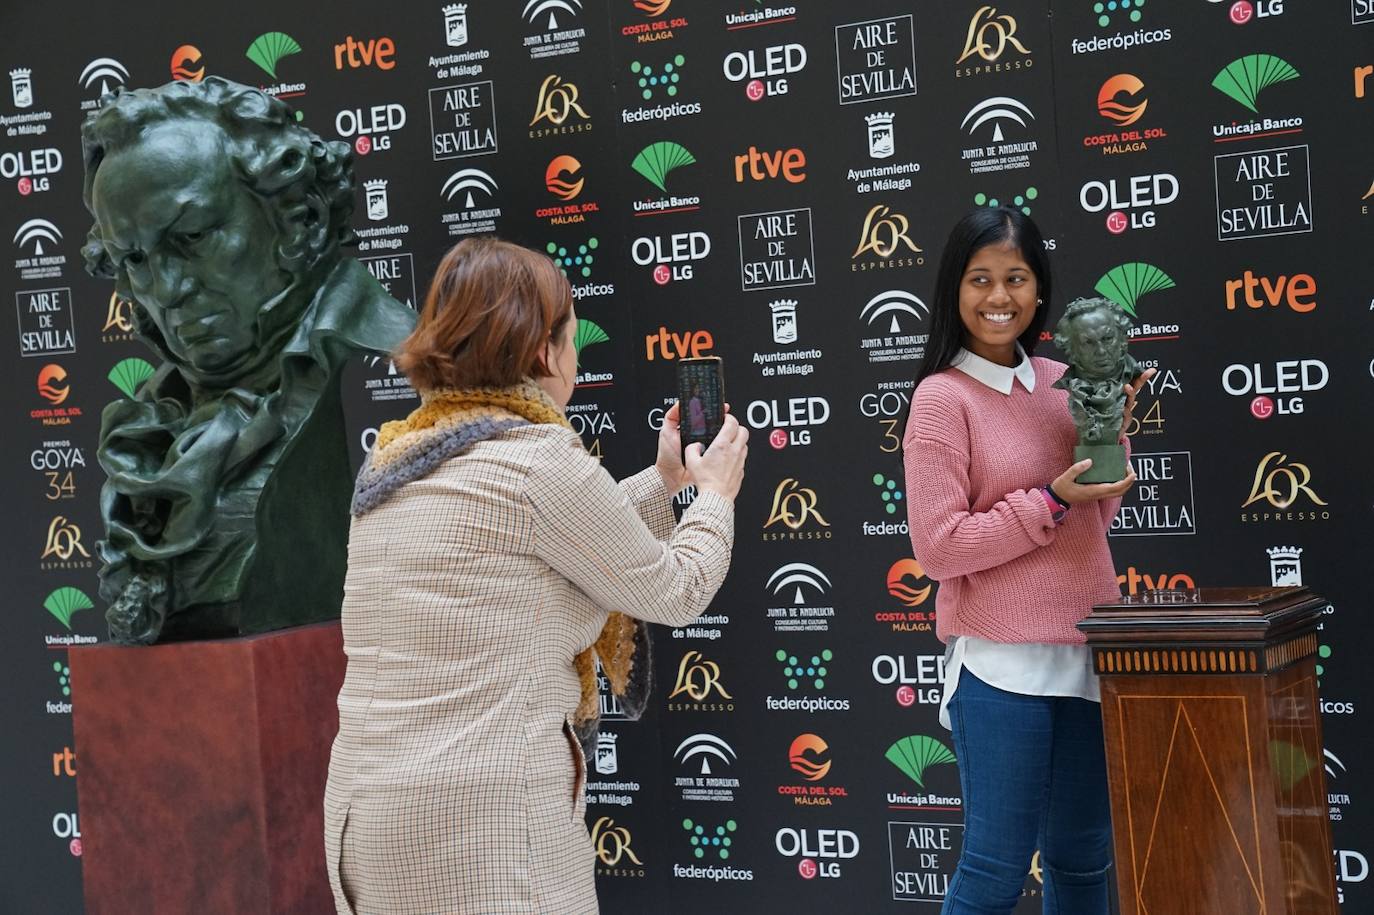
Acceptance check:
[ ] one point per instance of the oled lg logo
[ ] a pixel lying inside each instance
(371, 129)
(919, 681)
(34, 169)
(1130, 203)
(1243, 12)
(66, 826)
(791, 420)
(766, 70)
(672, 255)
(1277, 389)
(820, 850)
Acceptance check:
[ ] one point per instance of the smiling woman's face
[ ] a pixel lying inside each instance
(196, 245)
(997, 299)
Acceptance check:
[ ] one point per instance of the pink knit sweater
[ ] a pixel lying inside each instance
(975, 460)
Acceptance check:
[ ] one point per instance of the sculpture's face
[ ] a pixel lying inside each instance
(197, 246)
(1097, 344)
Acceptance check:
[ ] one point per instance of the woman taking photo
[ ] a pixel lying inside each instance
(1020, 551)
(490, 562)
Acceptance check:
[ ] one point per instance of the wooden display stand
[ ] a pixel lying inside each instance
(1214, 751)
(201, 770)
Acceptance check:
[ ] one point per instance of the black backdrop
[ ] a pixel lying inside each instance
(770, 183)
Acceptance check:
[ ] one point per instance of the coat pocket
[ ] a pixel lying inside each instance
(579, 761)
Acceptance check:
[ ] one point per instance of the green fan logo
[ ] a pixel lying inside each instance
(269, 48)
(588, 333)
(63, 602)
(1243, 78)
(129, 374)
(656, 160)
(1126, 283)
(915, 754)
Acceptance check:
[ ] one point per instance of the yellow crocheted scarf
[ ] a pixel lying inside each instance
(455, 418)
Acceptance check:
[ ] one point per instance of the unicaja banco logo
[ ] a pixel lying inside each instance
(612, 843)
(793, 506)
(1125, 284)
(989, 34)
(806, 669)
(1279, 482)
(1243, 78)
(269, 48)
(129, 374)
(697, 677)
(64, 602)
(656, 160)
(587, 334)
(914, 755)
(712, 840)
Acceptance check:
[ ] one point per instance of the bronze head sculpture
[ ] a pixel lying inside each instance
(222, 220)
(1093, 333)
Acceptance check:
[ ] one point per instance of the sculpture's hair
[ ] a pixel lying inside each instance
(306, 181)
(491, 309)
(1079, 307)
(976, 230)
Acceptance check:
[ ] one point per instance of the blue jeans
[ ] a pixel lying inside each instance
(1034, 775)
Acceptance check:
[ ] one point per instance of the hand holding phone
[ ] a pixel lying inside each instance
(701, 399)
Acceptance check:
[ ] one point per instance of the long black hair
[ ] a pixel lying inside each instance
(980, 228)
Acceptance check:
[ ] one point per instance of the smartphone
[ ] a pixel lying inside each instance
(701, 399)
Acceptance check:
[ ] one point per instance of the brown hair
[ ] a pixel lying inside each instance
(489, 312)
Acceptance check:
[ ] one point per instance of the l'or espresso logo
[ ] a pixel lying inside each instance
(1242, 80)
(876, 59)
(660, 27)
(923, 857)
(1277, 389)
(775, 250)
(54, 387)
(802, 591)
(819, 851)
(810, 760)
(40, 261)
(119, 320)
(1004, 115)
(557, 110)
(58, 462)
(370, 129)
(707, 758)
(698, 679)
(1161, 502)
(615, 854)
(462, 120)
(1263, 192)
(63, 548)
(1281, 484)
(558, 32)
(991, 46)
(45, 321)
(908, 583)
(884, 242)
(794, 514)
(1122, 100)
(1130, 203)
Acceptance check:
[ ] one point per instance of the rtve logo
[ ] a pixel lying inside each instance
(1133, 581)
(1362, 75)
(667, 344)
(789, 164)
(64, 763)
(375, 52)
(1298, 292)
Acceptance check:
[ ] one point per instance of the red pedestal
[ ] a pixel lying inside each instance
(201, 770)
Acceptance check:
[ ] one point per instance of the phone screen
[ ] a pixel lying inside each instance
(701, 399)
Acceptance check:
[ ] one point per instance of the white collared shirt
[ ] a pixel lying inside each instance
(1028, 668)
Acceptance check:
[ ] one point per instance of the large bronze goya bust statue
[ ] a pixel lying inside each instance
(222, 219)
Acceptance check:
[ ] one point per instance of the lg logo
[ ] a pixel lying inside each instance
(828, 845)
(796, 415)
(766, 70)
(370, 127)
(1288, 379)
(671, 255)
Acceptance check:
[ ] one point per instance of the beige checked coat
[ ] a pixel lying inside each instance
(456, 785)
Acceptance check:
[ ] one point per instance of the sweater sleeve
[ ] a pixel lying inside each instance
(586, 528)
(947, 538)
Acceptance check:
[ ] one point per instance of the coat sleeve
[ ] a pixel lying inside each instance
(947, 538)
(651, 501)
(586, 528)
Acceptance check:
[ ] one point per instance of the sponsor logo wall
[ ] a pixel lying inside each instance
(771, 183)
